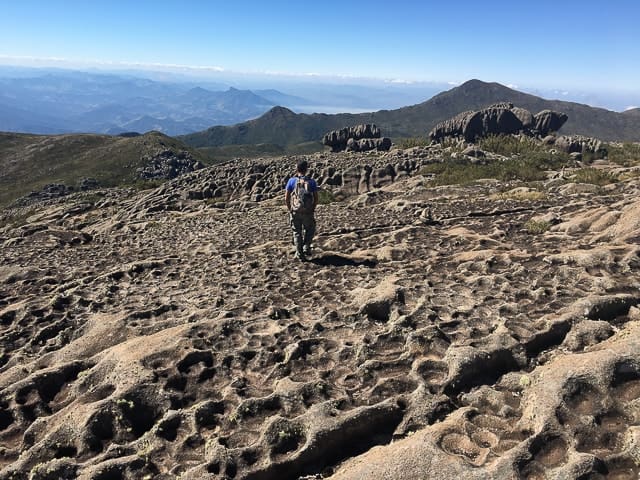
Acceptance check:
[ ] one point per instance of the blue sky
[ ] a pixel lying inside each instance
(551, 44)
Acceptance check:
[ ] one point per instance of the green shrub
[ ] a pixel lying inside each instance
(411, 142)
(536, 227)
(529, 168)
(326, 197)
(593, 176)
(625, 154)
(509, 145)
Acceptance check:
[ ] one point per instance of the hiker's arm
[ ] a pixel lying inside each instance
(315, 199)
(287, 199)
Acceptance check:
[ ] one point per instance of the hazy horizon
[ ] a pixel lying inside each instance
(595, 49)
(296, 84)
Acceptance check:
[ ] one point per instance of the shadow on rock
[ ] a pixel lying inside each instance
(335, 260)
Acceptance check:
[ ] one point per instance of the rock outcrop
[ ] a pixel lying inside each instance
(497, 119)
(367, 144)
(525, 117)
(168, 164)
(88, 183)
(360, 138)
(47, 192)
(580, 144)
(548, 121)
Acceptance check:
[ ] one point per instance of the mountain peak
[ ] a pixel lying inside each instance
(473, 83)
(280, 112)
(198, 90)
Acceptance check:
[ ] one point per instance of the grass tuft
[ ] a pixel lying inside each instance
(411, 142)
(536, 227)
(594, 176)
(530, 195)
(509, 145)
(325, 197)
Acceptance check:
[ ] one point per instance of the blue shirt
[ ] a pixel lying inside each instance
(291, 184)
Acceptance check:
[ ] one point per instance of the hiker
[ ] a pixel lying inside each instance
(301, 198)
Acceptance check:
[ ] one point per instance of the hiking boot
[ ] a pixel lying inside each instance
(306, 250)
(300, 256)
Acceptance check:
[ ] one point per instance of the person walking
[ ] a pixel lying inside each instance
(301, 199)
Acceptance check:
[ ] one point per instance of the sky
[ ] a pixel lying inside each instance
(547, 44)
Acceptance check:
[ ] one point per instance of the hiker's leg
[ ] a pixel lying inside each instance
(309, 228)
(296, 227)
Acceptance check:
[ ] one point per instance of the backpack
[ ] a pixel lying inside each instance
(302, 196)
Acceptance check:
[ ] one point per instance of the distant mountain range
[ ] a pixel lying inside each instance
(51, 101)
(214, 114)
(283, 127)
(27, 161)
(66, 102)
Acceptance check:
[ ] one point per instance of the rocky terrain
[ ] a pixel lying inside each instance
(55, 165)
(480, 331)
(360, 138)
(498, 119)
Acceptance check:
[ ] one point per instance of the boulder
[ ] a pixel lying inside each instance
(525, 116)
(497, 119)
(367, 144)
(493, 120)
(338, 139)
(382, 176)
(548, 121)
(587, 333)
(356, 179)
(580, 144)
(351, 179)
(472, 151)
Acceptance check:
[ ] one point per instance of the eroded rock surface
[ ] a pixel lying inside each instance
(168, 164)
(360, 138)
(498, 119)
(168, 335)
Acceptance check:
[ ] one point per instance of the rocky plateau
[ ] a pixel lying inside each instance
(481, 331)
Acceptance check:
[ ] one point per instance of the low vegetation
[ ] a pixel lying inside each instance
(411, 142)
(29, 162)
(593, 176)
(528, 161)
(625, 154)
(537, 227)
(526, 168)
(509, 145)
(326, 197)
(16, 218)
